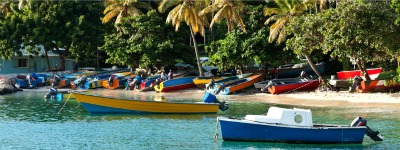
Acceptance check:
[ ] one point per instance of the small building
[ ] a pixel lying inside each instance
(29, 62)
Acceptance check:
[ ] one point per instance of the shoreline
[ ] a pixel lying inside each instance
(312, 98)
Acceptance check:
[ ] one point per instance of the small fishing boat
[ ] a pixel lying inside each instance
(378, 86)
(344, 75)
(301, 85)
(118, 81)
(147, 84)
(210, 87)
(36, 80)
(106, 105)
(293, 126)
(175, 84)
(263, 84)
(226, 88)
(202, 81)
(292, 71)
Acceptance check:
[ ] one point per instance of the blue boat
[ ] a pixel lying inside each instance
(293, 126)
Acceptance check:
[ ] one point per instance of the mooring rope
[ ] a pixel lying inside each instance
(70, 93)
(216, 131)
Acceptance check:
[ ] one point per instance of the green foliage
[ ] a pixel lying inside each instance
(145, 41)
(364, 32)
(73, 25)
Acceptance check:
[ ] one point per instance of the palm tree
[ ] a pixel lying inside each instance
(187, 11)
(123, 8)
(227, 9)
(282, 16)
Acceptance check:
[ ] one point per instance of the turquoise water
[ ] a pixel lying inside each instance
(29, 122)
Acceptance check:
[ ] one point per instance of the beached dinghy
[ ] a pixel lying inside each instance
(175, 84)
(226, 88)
(290, 86)
(293, 126)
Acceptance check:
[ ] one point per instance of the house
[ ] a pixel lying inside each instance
(29, 62)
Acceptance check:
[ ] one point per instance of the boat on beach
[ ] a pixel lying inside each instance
(226, 88)
(301, 85)
(175, 84)
(378, 86)
(147, 84)
(213, 89)
(107, 105)
(293, 126)
(344, 75)
(202, 81)
(118, 81)
(263, 84)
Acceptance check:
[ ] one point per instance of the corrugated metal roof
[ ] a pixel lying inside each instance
(41, 52)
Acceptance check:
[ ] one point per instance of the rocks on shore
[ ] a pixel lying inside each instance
(7, 86)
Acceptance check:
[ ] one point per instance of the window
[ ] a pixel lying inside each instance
(22, 62)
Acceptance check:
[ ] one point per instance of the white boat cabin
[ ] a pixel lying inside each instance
(276, 115)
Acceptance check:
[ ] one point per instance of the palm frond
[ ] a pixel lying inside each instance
(110, 15)
(142, 5)
(133, 11)
(165, 4)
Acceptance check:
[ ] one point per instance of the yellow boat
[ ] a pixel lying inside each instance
(201, 82)
(106, 105)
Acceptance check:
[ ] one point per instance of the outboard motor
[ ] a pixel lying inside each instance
(52, 93)
(374, 135)
(210, 98)
(57, 80)
(270, 84)
(211, 84)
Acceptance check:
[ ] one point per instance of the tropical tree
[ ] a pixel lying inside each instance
(123, 8)
(228, 10)
(307, 37)
(287, 9)
(68, 25)
(151, 41)
(187, 11)
(364, 32)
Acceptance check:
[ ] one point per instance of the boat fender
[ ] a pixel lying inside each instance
(374, 135)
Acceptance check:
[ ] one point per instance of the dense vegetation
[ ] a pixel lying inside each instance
(233, 34)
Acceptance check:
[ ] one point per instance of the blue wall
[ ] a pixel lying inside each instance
(11, 66)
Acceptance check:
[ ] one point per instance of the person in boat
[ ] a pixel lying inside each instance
(170, 75)
(356, 83)
(111, 80)
(135, 83)
(52, 93)
(56, 80)
(164, 76)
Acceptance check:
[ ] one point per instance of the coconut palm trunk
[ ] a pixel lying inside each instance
(197, 53)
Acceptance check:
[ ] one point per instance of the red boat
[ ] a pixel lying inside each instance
(175, 84)
(343, 75)
(378, 86)
(282, 87)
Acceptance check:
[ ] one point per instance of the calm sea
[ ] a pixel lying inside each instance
(27, 121)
